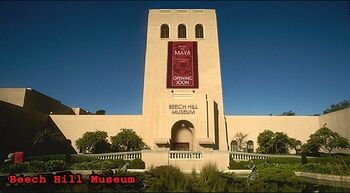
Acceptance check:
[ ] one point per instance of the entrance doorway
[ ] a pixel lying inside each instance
(182, 136)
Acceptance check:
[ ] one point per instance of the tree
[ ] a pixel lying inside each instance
(265, 142)
(281, 142)
(93, 142)
(326, 138)
(240, 138)
(339, 106)
(289, 113)
(270, 142)
(48, 141)
(127, 140)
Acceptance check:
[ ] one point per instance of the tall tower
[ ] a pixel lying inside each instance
(182, 100)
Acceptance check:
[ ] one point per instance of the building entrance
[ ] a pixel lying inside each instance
(182, 136)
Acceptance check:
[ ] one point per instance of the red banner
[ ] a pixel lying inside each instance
(182, 65)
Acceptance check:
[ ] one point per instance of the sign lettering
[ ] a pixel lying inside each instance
(183, 109)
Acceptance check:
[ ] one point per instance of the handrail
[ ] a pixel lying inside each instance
(185, 155)
(117, 155)
(250, 156)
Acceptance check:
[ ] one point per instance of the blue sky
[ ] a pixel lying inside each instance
(275, 56)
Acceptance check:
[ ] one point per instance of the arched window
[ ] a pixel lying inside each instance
(199, 31)
(234, 145)
(250, 146)
(181, 31)
(164, 31)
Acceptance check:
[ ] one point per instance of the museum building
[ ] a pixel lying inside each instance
(183, 107)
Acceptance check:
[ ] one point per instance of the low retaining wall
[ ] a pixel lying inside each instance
(186, 160)
(327, 177)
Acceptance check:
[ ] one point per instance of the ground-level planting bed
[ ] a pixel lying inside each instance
(171, 179)
(274, 175)
(335, 165)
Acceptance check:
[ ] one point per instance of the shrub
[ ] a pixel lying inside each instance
(211, 180)
(82, 158)
(98, 165)
(333, 159)
(46, 157)
(279, 160)
(10, 168)
(83, 166)
(36, 166)
(325, 168)
(239, 165)
(55, 165)
(165, 179)
(137, 164)
(280, 177)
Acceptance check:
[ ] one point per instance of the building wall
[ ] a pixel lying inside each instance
(299, 127)
(74, 126)
(338, 121)
(18, 127)
(31, 99)
(13, 95)
(45, 104)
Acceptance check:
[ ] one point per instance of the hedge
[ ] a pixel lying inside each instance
(46, 157)
(108, 164)
(37, 166)
(98, 165)
(235, 165)
(137, 164)
(82, 158)
(279, 160)
(34, 167)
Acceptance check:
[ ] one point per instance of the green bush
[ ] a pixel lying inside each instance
(333, 159)
(119, 163)
(36, 166)
(137, 164)
(82, 158)
(10, 168)
(280, 177)
(279, 160)
(325, 168)
(165, 179)
(46, 157)
(211, 179)
(98, 165)
(55, 165)
(235, 165)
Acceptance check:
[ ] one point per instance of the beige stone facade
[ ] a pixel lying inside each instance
(187, 118)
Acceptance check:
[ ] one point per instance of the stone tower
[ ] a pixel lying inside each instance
(182, 99)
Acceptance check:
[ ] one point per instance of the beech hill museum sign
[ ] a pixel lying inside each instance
(183, 109)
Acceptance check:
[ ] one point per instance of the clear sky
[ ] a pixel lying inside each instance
(275, 56)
